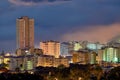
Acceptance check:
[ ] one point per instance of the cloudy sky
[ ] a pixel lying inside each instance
(63, 20)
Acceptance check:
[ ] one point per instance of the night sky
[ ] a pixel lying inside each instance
(62, 20)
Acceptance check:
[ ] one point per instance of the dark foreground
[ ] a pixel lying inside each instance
(74, 72)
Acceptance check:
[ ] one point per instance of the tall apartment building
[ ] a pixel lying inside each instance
(25, 32)
(50, 48)
(111, 54)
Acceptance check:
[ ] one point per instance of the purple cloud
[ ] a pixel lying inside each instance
(59, 21)
(35, 2)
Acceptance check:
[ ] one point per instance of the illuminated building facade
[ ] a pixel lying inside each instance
(45, 61)
(99, 58)
(94, 46)
(81, 57)
(77, 46)
(92, 57)
(51, 48)
(64, 49)
(31, 51)
(84, 57)
(61, 61)
(27, 62)
(75, 57)
(51, 61)
(1, 59)
(25, 32)
(111, 54)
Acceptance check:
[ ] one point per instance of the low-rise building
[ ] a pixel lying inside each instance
(84, 57)
(61, 61)
(27, 62)
(45, 61)
(32, 51)
(51, 61)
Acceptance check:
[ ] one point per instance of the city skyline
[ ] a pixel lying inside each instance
(61, 20)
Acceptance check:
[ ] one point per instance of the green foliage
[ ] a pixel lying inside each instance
(74, 72)
(61, 66)
(17, 69)
(20, 76)
(3, 65)
(62, 73)
(114, 74)
(97, 71)
(78, 71)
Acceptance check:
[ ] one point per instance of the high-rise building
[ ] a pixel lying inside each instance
(50, 48)
(25, 32)
(111, 54)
